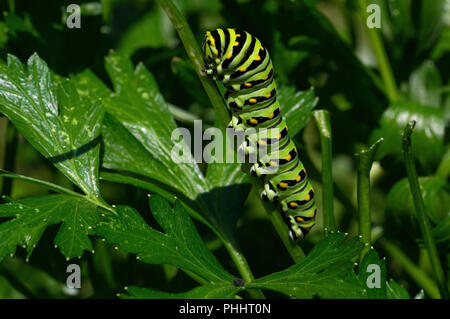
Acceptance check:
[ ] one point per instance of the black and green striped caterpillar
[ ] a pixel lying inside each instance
(242, 64)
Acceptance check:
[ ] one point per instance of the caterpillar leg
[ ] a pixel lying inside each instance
(269, 194)
(300, 209)
(250, 145)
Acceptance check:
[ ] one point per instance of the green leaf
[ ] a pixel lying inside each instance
(425, 85)
(402, 26)
(296, 107)
(365, 271)
(442, 232)
(427, 140)
(431, 15)
(286, 59)
(180, 245)
(122, 151)
(141, 109)
(442, 46)
(395, 291)
(17, 24)
(327, 272)
(32, 215)
(153, 30)
(212, 291)
(400, 206)
(230, 187)
(137, 141)
(89, 86)
(53, 118)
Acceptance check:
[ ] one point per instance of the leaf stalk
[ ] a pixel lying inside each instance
(419, 205)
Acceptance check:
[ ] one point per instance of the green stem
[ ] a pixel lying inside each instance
(364, 160)
(196, 277)
(48, 185)
(243, 268)
(419, 205)
(322, 119)
(413, 271)
(181, 115)
(59, 189)
(381, 56)
(294, 250)
(194, 53)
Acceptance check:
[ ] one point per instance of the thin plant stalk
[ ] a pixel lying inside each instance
(364, 161)
(181, 115)
(322, 119)
(57, 188)
(242, 265)
(417, 274)
(419, 205)
(294, 250)
(195, 55)
(381, 56)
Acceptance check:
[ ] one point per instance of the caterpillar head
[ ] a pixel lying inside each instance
(210, 50)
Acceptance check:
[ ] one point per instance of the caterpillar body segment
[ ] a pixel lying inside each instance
(238, 60)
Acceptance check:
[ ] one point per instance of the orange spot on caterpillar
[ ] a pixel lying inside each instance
(283, 185)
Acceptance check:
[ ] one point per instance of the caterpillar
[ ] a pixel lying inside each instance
(240, 62)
